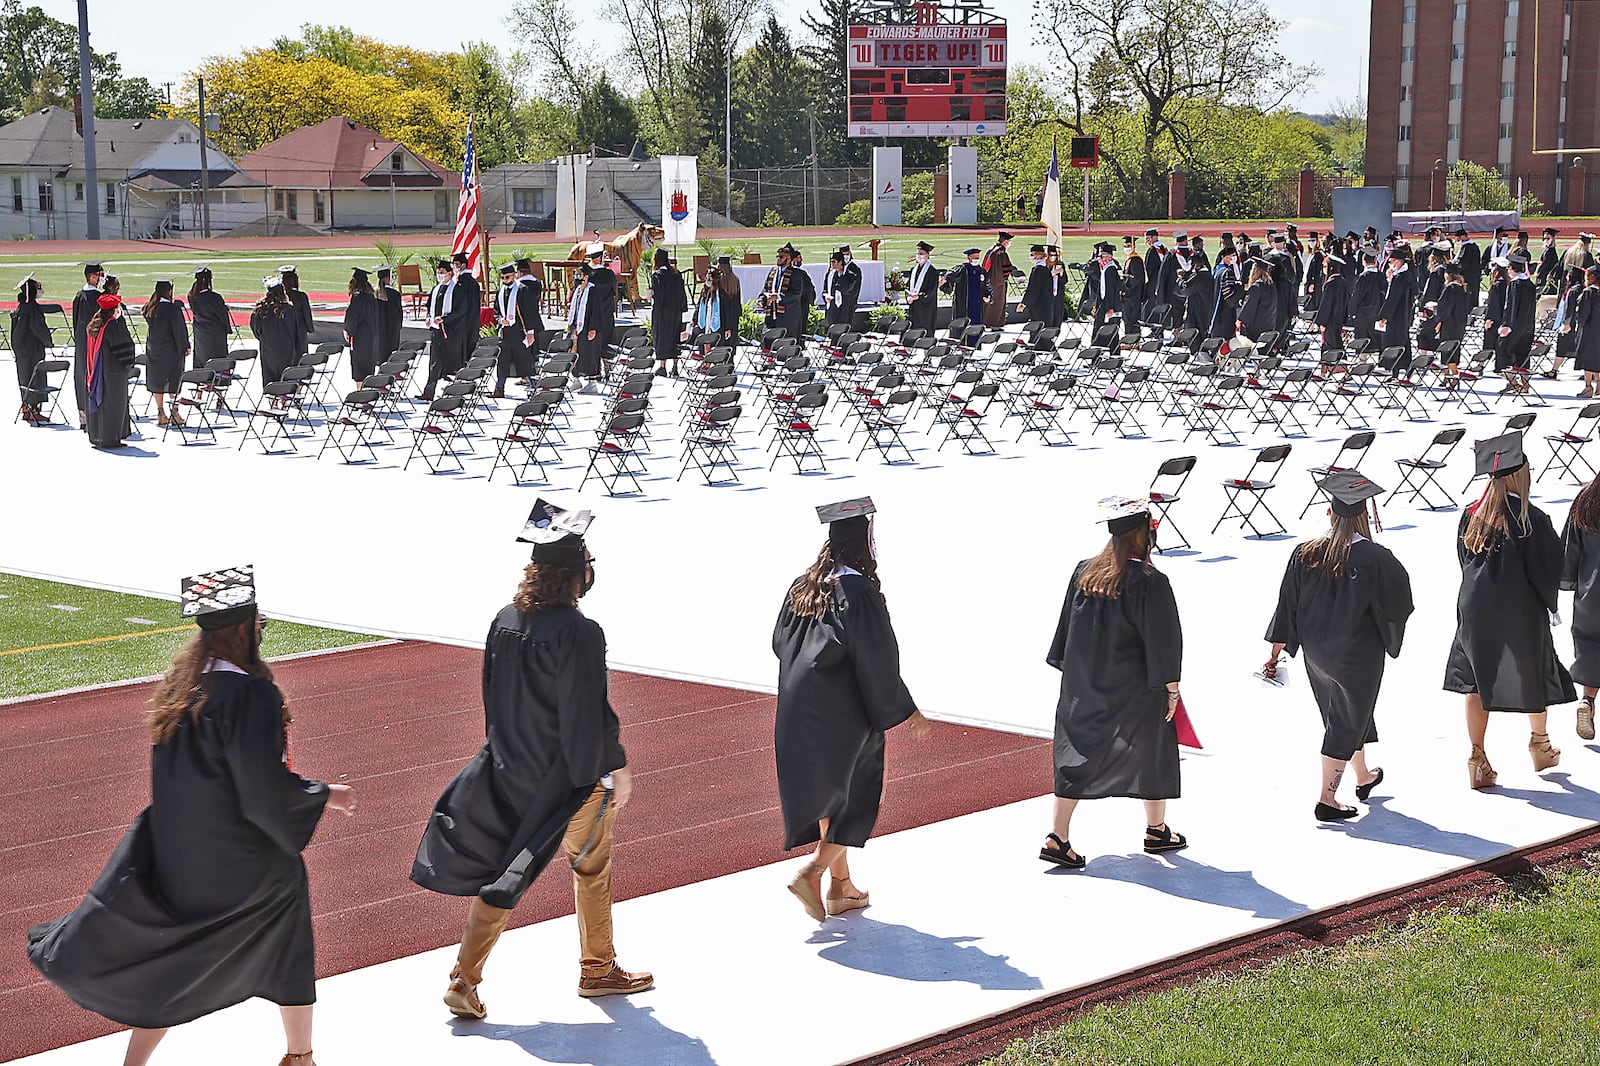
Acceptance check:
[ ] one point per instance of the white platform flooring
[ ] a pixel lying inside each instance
(975, 552)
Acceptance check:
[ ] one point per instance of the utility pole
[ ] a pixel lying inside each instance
(727, 125)
(816, 174)
(205, 173)
(91, 175)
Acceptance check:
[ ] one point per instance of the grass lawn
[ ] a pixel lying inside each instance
(31, 615)
(1509, 980)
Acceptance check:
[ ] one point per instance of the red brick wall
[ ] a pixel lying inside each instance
(1383, 88)
(1480, 94)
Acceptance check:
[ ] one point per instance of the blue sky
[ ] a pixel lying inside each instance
(1330, 33)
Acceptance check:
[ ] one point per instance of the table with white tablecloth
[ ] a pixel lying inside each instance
(753, 278)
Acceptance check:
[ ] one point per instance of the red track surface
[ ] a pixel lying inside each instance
(397, 722)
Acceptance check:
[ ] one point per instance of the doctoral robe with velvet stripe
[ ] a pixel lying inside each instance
(839, 691)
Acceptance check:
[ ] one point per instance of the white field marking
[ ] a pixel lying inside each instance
(65, 607)
(142, 621)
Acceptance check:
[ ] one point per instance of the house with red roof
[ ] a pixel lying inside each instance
(340, 175)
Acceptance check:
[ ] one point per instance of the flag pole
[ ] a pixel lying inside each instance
(483, 229)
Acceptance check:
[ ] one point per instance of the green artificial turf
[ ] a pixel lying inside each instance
(31, 615)
(1512, 980)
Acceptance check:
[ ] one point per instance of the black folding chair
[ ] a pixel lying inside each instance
(1567, 448)
(966, 424)
(1042, 413)
(1349, 457)
(884, 423)
(1254, 489)
(1163, 495)
(1428, 465)
(40, 384)
(709, 444)
(191, 411)
(434, 440)
(528, 431)
(612, 458)
(277, 406)
(796, 435)
(350, 429)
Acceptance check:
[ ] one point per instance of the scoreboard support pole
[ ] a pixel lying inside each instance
(1086, 200)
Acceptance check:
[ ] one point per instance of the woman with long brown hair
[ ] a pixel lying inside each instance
(1581, 577)
(30, 339)
(166, 349)
(363, 327)
(205, 904)
(839, 692)
(213, 324)
(1502, 658)
(275, 326)
(1258, 313)
(108, 358)
(1119, 647)
(1345, 600)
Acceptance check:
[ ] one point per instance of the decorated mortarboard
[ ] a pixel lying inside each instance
(1348, 492)
(1586, 237)
(1500, 261)
(1003, 236)
(1292, 228)
(288, 269)
(924, 246)
(272, 281)
(219, 599)
(203, 268)
(24, 282)
(1121, 514)
(1499, 456)
(555, 532)
(847, 521)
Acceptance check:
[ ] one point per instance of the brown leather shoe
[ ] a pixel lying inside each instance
(618, 982)
(462, 999)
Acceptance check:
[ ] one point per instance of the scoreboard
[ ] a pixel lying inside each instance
(928, 78)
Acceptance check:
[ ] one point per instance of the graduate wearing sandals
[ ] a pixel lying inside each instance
(1119, 647)
(1581, 577)
(204, 903)
(839, 691)
(1345, 601)
(1502, 657)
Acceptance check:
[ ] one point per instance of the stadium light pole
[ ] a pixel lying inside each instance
(727, 125)
(91, 205)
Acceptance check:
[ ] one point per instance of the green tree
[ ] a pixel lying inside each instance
(706, 87)
(826, 54)
(1485, 190)
(770, 79)
(39, 68)
(486, 88)
(605, 118)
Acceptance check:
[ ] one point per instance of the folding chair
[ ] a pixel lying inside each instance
(440, 427)
(355, 418)
(1520, 422)
(1567, 448)
(192, 409)
(40, 382)
(1119, 401)
(1355, 447)
(1428, 465)
(796, 435)
(615, 452)
(1042, 413)
(883, 425)
(1255, 489)
(276, 406)
(528, 430)
(966, 424)
(709, 444)
(1211, 414)
(1277, 405)
(1164, 496)
(1398, 389)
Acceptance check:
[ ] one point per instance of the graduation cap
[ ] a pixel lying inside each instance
(1152, 233)
(161, 281)
(383, 270)
(1550, 231)
(973, 251)
(595, 248)
(788, 248)
(288, 269)
(443, 264)
(835, 256)
(1051, 249)
(1499, 456)
(1227, 238)
(1120, 514)
(1003, 236)
(360, 274)
(1106, 247)
(1499, 261)
(1585, 237)
(272, 281)
(1182, 236)
(844, 249)
(1127, 240)
(1453, 270)
(924, 246)
(93, 268)
(524, 263)
(555, 532)
(219, 599)
(24, 282)
(203, 268)
(1036, 248)
(508, 268)
(1292, 228)
(1517, 259)
(1335, 260)
(1460, 231)
(1348, 492)
(848, 522)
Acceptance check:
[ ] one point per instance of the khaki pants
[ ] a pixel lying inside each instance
(591, 885)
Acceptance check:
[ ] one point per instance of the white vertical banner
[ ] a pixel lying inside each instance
(680, 198)
(1050, 212)
(886, 186)
(963, 186)
(572, 197)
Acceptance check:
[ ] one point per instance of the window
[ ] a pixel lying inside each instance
(527, 201)
(77, 192)
(1510, 51)
(293, 200)
(1458, 51)
(277, 200)
(1455, 91)
(1513, 8)
(441, 207)
(319, 206)
(1405, 93)
(16, 194)
(1508, 89)
(1460, 13)
(1505, 131)
(1405, 133)
(1410, 14)
(1407, 53)
(111, 198)
(397, 162)
(47, 197)
(1402, 170)
(1452, 132)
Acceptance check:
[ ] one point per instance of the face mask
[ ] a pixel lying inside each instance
(588, 579)
(921, 258)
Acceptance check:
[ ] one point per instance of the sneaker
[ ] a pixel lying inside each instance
(590, 388)
(462, 999)
(1586, 719)
(618, 982)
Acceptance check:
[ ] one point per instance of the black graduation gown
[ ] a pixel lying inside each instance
(1586, 324)
(1169, 288)
(922, 312)
(462, 323)
(1399, 307)
(551, 735)
(846, 289)
(839, 691)
(30, 338)
(110, 422)
(1451, 314)
(1502, 648)
(599, 315)
(362, 324)
(1035, 294)
(303, 320)
(520, 340)
(276, 334)
(1494, 312)
(1259, 312)
(668, 302)
(1225, 319)
(1581, 577)
(1332, 310)
(1314, 281)
(1152, 282)
(1131, 295)
(1116, 658)
(1549, 264)
(166, 342)
(1522, 309)
(212, 327)
(1471, 259)
(969, 288)
(204, 903)
(800, 312)
(1346, 625)
(84, 306)
(391, 317)
(1054, 311)
(1370, 288)
(1200, 303)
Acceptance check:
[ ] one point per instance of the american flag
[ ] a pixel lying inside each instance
(468, 238)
